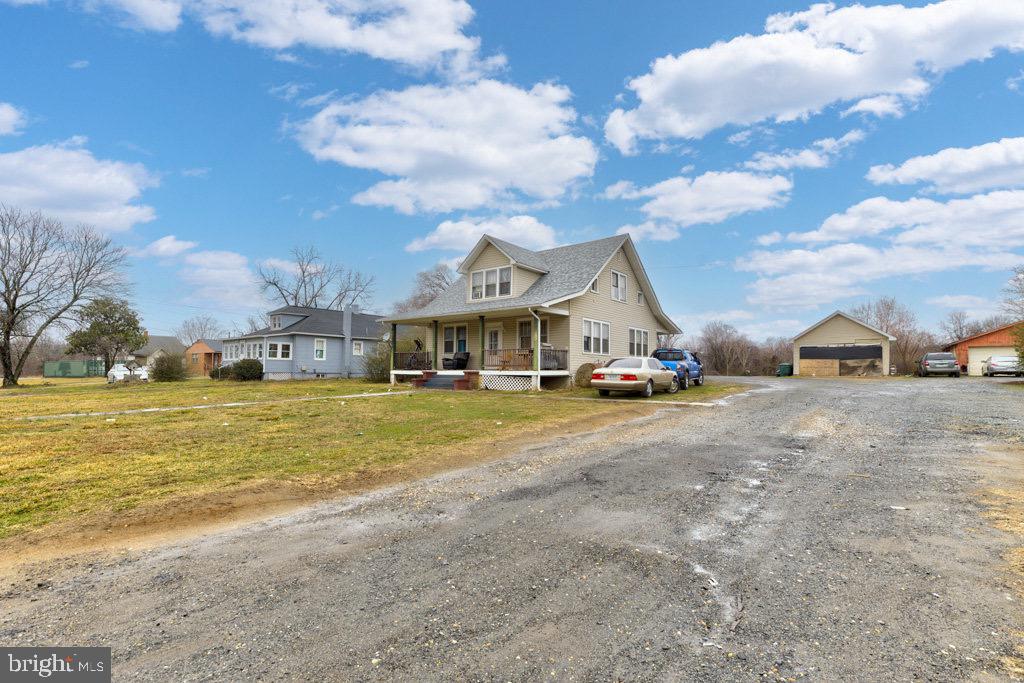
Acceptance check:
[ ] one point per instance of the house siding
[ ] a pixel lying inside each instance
(522, 280)
(302, 364)
(619, 315)
(837, 331)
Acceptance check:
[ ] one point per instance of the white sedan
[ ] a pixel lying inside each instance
(121, 372)
(1001, 365)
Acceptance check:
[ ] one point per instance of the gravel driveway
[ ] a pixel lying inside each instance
(827, 529)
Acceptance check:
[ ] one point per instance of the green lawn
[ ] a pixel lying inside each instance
(68, 471)
(59, 396)
(710, 391)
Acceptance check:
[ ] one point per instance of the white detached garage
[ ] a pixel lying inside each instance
(841, 346)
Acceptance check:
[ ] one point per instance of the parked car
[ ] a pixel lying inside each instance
(938, 363)
(686, 365)
(1001, 365)
(121, 372)
(634, 374)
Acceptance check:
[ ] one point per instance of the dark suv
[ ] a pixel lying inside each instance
(938, 364)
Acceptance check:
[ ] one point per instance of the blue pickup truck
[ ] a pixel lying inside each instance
(687, 366)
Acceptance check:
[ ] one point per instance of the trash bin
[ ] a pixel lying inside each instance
(785, 370)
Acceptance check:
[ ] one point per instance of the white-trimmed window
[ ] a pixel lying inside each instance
(319, 349)
(286, 351)
(275, 322)
(596, 337)
(639, 342)
(494, 339)
(455, 339)
(357, 348)
(259, 351)
(272, 350)
(640, 297)
(593, 285)
(618, 286)
(491, 283)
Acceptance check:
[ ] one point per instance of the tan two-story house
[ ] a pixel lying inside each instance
(526, 319)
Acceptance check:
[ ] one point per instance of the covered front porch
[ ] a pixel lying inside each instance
(522, 346)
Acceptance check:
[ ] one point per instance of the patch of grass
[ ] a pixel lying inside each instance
(710, 391)
(50, 397)
(63, 470)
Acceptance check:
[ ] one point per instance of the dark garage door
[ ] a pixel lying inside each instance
(852, 361)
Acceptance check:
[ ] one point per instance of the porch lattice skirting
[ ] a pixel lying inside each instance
(507, 382)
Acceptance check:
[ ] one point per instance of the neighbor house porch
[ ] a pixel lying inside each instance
(509, 350)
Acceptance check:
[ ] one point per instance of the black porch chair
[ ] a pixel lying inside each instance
(458, 361)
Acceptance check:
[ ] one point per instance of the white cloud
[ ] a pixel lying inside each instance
(419, 33)
(12, 119)
(223, 277)
(881, 58)
(880, 107)
(958, 301)
(321, 214)
(79, 64)
(995, 220)
(463, 234)
(820, 154)
(166, 247)
(650, 230)
(709, 198)
(960, 170)
(484, 144)
(1015, 83)
(807, 278)
(197, 172)
(66, 181)
(769, 239)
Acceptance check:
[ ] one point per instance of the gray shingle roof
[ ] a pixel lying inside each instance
(322, 321)
(215, 344)
(570, 270)
(521, 255)
(156, 342)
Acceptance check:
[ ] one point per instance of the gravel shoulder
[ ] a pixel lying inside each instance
(836, 530)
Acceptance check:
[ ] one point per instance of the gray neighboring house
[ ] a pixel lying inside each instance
(309, 343)
(156, 346)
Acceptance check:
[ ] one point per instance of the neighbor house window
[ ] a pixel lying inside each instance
(593, 285)
(195, 358)
(596, 336)
(275, 322)
(272, 350)
(494, 282)
(319, 349)
(357, 348)
(618, 286)
(286, 351)
(455, 338)
(638, 342)
(259, 351)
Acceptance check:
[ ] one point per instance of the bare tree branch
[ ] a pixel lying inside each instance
(309, 280)
(200, 327)
(429, 285)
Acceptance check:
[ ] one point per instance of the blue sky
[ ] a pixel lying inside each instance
(775, 161)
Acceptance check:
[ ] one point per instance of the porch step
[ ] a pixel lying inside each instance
(440, 382)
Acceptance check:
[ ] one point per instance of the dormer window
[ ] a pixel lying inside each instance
(275, 322)
(491, 283)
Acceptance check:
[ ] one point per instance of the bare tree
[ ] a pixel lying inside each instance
(200, 327)
(955, 326)
(312, 281)
(1013, 295)
(429, 285)
(47, 273)
(724, 349)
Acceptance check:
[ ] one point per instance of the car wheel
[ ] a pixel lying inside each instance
(674, 386)
(684, 382)
(957, 375)
(603, 392)
(700, 380)
(648, 389)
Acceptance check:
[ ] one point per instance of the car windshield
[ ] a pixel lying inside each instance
(668, 355)
(1005, 359)
(626, 363)
(940, 356)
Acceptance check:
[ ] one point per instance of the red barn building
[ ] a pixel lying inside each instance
(972, 351)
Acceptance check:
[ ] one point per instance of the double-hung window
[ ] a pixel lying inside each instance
(272, 350)
(286, 351)
(596, 337)
(319, 349)
(491, 283)
(638, 342)
(455, 339)
(525, 329)
(618, 286)
(357, 348)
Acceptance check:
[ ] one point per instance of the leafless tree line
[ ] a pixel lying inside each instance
(311, 280)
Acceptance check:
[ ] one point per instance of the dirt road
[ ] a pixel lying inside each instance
(827, 529)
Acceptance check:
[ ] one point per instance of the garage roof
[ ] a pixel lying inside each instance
(848, 317)
(950, 345)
